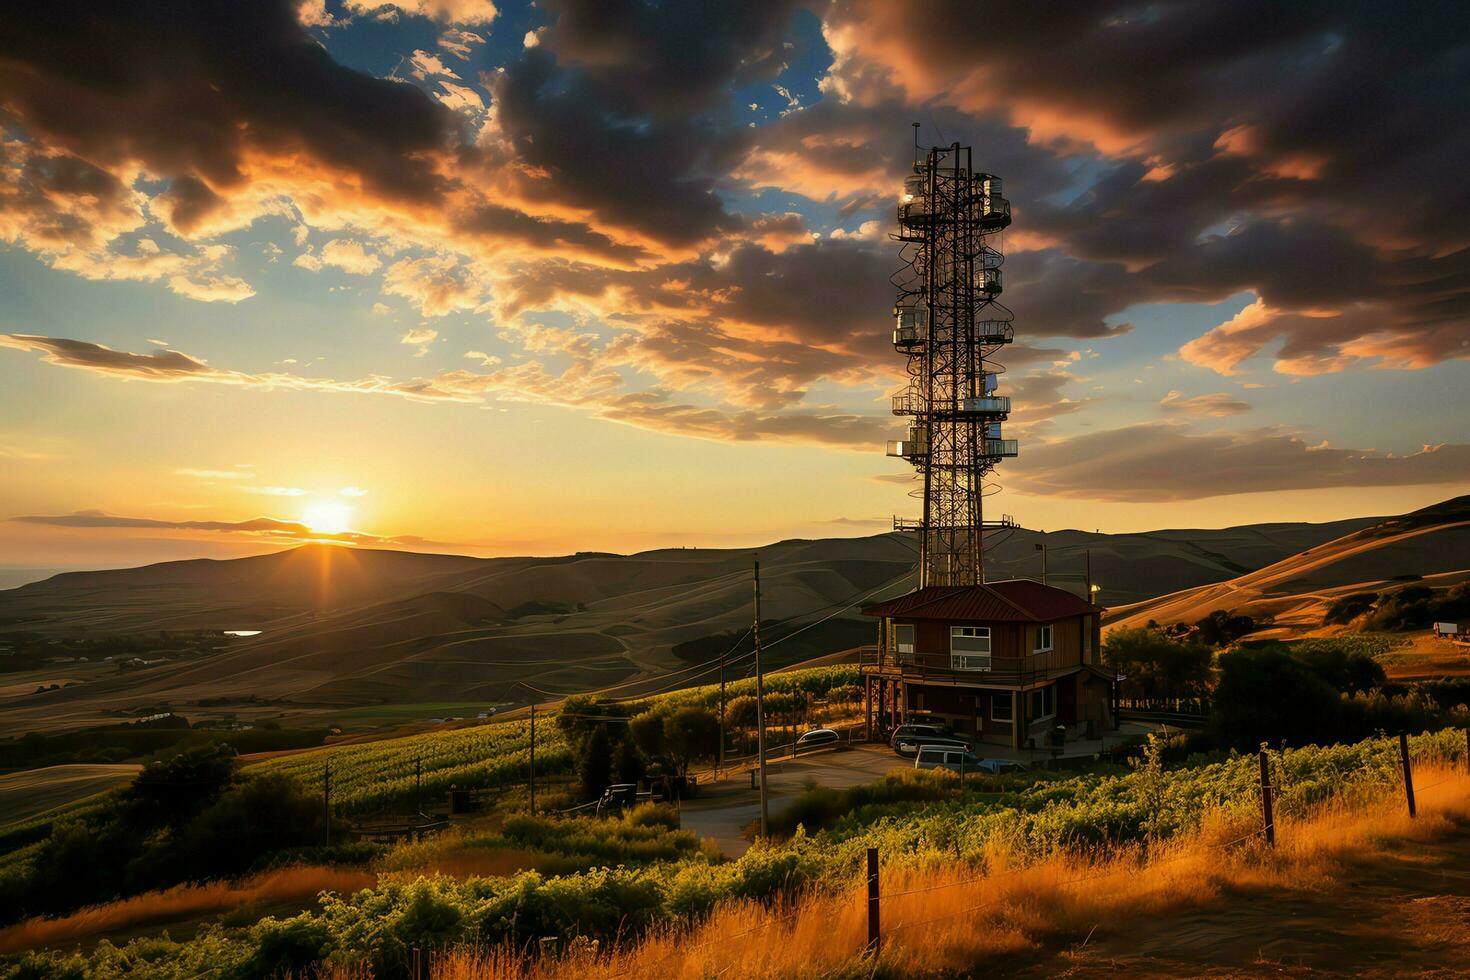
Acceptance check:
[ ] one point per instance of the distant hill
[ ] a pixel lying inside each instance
(1430, 547)
(342, 627)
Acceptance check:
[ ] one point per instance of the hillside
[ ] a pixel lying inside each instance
(341, 627)
(1428, 547)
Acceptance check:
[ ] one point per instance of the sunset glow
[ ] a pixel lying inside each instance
(542, 288)
(327, 517)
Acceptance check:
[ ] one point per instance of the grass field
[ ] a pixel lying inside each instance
(26, 794)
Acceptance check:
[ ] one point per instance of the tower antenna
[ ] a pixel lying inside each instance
(950, 324)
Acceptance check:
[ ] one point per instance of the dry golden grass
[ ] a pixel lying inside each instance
(949, 921)
(296, 884)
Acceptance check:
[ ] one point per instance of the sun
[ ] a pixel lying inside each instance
(327, 517)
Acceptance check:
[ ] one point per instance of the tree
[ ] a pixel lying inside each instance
(1220, 629)
(1155, 666)
(1349, 608)
(580, 713)
(740, 712)
(171, 792)
(1270, 696)
(1351, 672)
(691, 733)
(628, 762)
(594, 767)
(647, 732)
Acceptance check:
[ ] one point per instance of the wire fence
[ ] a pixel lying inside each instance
(1273, 781)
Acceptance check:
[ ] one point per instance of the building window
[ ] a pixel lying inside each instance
(903, 639)
(969, 647)
(1044, 637)
(1043, 703)
(1000, 707)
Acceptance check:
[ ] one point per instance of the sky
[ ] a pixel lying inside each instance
(505, 278)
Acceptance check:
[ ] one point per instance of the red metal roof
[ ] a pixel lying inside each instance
(1016, 600)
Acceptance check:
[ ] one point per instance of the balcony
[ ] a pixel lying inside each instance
(1002, 447)
(908, 403)
(908, 448)
(970, 669)
(994, 332)
(910, 327)
(996, 213)
(988, 405)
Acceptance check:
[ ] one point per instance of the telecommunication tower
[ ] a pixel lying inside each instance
(950, 323)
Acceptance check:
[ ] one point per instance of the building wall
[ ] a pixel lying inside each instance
(1009, 639)
(1081, 698)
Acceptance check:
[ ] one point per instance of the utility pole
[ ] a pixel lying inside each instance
(720, 759)
(1042, 548)
(1088, 572)
(760, 701)
(533, 758)
(418, 785)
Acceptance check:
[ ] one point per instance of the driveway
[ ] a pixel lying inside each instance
(725, 808)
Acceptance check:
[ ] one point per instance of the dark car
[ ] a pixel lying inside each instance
(909, 745)
(817, 738)
(617, 797)
(920, 728)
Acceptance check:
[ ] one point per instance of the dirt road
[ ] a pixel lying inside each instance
(723, 809)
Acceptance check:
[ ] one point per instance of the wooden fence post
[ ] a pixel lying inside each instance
(1408, 772)
(1267, 820)
(874, 937)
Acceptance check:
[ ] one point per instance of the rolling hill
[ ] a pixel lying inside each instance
(1429, 547)
(341, 627)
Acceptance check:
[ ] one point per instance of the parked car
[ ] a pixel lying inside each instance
(911, 744)
(920, 728)
(944, 757)
(1000, 767)
(817, 738)
(616, 797)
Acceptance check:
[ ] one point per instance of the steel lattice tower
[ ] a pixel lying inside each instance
(950, 323)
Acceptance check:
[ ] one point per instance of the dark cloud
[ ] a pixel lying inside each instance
(196, 88)
(171, 366)
(1240, 150)
(667, 58)
(189, 202)
(657, 176)
(500, 223)
(1166, 461)
(653, 410)
(264, 526)
(161, 365)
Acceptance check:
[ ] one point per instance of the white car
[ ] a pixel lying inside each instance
(944, 757)
(911, 744)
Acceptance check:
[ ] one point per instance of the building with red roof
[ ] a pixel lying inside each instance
(1012, 663)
